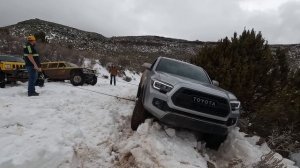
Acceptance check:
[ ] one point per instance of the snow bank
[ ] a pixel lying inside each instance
(151, 146)
(133, 76)
(101, 71)
(296, 157)
(62, 127)
(238, 148)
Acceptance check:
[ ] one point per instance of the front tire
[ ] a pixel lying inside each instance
(139, 114)
(93, 80)
(77, 79)
(214, 141)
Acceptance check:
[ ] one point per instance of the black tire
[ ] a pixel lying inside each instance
(2, 80)
(77, 79)
(93, 81)
(139, 114)
(139, 91)
(214, 141)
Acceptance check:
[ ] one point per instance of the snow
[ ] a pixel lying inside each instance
(296, 157)
(87, 63)
(239, 147)
(152, 147)
(70, 127)
(134, 76)
(101, 71)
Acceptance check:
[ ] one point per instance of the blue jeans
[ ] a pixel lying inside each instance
(31, 79)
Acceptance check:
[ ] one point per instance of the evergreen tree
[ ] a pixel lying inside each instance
(241, 65)
(260, 77)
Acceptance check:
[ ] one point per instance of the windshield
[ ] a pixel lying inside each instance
(71, 65)
(182, 69)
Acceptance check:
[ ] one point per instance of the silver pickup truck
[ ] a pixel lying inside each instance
(182, 95)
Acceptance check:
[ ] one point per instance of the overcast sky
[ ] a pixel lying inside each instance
(205, 20)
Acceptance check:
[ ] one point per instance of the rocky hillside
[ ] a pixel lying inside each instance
(66, 43)
(293, 52)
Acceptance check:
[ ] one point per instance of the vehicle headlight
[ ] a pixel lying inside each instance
(235, 105)
(162, 86)
(7, 66)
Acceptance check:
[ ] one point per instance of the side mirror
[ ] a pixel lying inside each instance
(216, 83)
(147, 66)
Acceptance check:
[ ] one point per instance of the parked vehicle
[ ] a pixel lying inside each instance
(12, 69)
(61, 70)
(182, 95)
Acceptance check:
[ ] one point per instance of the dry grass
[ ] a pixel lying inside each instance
(269, 161)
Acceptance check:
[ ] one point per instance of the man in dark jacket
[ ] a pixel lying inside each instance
(32, 63)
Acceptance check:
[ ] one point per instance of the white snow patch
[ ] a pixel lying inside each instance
(87, 63)
(239, 147)
(152, 147)
(133, 76)
(296, 158)
(101, 71)
(44, 131)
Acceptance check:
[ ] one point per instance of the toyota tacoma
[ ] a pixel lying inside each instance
(182, 95)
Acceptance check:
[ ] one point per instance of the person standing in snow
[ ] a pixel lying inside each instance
(113, 70)
(32, 63)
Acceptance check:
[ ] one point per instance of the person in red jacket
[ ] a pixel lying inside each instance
(113, 70)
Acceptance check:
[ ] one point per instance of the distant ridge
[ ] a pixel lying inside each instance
(71, 44)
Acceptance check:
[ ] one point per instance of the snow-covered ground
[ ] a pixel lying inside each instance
(71, 127)
(296, 157)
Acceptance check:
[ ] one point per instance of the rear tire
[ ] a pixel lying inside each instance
(77, 79)
(214, 141)
(139, 91)
(2, 80)
(139, 114)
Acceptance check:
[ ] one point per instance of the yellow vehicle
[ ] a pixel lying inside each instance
(12, 69)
